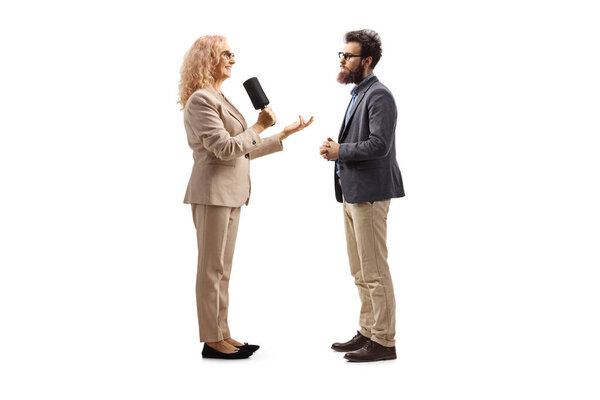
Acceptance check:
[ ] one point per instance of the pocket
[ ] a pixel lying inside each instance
(369, 164)
(222, 163)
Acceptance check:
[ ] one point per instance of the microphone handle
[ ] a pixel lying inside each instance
(262, 108)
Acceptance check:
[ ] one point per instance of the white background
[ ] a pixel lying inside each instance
(493, 252)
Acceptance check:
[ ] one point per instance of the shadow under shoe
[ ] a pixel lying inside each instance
(356, 343)
(209, 352)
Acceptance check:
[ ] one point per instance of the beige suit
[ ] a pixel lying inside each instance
(220, 138)
(223, 146)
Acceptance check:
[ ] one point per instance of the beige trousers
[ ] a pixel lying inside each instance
(216, 231)
(366, 231)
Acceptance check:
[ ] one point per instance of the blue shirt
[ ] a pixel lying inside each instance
(354, 92)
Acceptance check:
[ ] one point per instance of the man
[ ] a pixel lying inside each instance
(366, 178)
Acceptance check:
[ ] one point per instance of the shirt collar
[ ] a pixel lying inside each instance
(361, 86)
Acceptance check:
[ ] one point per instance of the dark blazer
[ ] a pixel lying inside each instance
(367, 155)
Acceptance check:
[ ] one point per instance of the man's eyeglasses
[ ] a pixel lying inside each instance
(228, 55)
(348, 56)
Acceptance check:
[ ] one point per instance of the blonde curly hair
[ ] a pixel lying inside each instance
(199, 63)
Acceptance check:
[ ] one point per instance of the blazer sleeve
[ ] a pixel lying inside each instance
(269, 145)
(382, 123)
(206, 124)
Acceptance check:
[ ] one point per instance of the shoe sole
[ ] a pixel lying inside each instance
(345, 351)
(393, 357)
(226, 358)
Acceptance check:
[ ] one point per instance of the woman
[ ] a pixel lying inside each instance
(223, 146)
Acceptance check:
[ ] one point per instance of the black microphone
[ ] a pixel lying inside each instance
(257, 95)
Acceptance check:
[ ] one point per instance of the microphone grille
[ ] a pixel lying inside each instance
(255, 92)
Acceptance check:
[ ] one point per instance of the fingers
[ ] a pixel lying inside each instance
(304, 123)
(324, 151)
(326, 147)
(272, 114)
(267, 117)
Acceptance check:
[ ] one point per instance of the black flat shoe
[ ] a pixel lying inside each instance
(209, 352)
(249, 347)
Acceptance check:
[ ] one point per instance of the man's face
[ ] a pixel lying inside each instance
(353, 70)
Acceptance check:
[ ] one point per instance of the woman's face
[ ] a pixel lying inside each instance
(226, 61)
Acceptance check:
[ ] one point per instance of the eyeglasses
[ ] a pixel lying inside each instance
(348, 56)
(228, 55)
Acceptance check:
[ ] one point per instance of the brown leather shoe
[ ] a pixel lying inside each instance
(357, 342)
(372, 351)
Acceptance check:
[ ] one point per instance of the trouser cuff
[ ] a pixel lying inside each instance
(365, 333)
(383, 342)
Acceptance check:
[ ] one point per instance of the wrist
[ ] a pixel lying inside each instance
(258, 128)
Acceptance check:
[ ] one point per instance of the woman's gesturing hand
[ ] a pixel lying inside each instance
(295, 127)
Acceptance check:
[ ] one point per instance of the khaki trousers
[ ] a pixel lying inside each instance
(216, 231)
(366, 231)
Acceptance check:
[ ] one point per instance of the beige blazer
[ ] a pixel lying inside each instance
(223, 146)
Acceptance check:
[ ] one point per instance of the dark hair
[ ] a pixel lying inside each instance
(370, 43)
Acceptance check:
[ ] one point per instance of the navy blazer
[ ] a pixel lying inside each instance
(367, 155)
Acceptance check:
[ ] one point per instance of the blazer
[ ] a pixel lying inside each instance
(367, 154)
(223, 146)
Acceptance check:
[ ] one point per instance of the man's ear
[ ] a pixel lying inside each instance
(368, 61)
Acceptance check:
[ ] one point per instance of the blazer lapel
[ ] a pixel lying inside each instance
(355, 107)
(229, 107)
(343, 124)
(234, 111)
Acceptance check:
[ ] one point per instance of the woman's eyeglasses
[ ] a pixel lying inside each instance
(228, 55)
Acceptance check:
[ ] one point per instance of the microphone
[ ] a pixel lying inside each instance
(257, 95)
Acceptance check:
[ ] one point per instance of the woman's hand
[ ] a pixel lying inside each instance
(295, 127)
(266, 119)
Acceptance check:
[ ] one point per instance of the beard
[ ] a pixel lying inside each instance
(346, 76)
